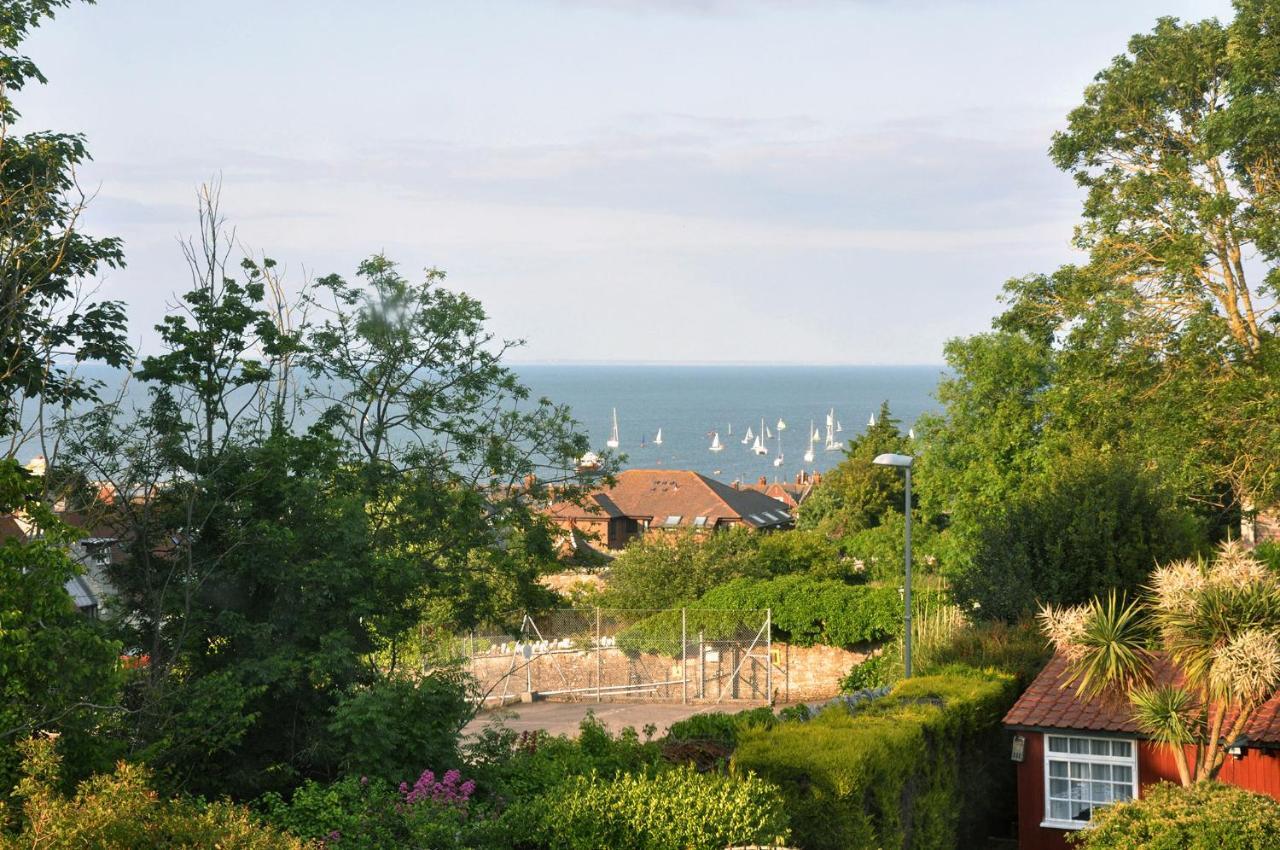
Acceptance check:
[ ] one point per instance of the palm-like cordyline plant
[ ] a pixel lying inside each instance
(1217, 623)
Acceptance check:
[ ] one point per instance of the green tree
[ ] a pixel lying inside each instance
(48, 322)
(856, 495)
(58, 671)
(1091, 523)
(669, 570)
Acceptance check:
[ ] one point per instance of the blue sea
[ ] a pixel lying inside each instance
(689, 403)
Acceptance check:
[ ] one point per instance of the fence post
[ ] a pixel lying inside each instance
(684, 659)
(702, 666)
(599, 657)
(768, 654)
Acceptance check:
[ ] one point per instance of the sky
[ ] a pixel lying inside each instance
(710, 181)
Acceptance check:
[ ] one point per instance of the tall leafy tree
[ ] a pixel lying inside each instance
(48, 319)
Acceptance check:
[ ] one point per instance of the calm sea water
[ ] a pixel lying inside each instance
(690, 402)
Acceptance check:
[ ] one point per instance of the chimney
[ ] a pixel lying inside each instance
(763, 482)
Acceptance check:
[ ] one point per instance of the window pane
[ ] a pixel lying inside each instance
(1121, 773)
(1100, 771)
(1079, 790)
(1078, 745)
(1059, 810)
(1057, 744)
(1057, 788)
(1082, 812)
(1079, 771)
(1121, 749)
(1100, 747)
(1100, 792)
(1057, 768)
(1122, 792)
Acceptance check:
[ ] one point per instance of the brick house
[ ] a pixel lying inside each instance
(1075, 755)
(649, 500)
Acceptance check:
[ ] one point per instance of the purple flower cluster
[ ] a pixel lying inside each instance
(449, 791)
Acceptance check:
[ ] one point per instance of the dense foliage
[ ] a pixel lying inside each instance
(920, 768)
(58, 671)
(1208, 816)
(121, 809)
(805, 611)
(1093, 523)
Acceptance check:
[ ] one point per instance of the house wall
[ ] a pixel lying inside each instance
(1257, 771)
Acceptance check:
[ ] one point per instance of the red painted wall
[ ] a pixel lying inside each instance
(1258, 771)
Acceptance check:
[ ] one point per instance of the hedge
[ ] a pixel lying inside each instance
(923, 767)
(678, 809)
(1207, 816)
(806, 611)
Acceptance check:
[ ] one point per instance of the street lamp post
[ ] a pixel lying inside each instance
(904, 463)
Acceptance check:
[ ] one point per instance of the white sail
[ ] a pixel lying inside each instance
(758, 447)
(613, 442)
(839, 427)
(871, 423)
(715, 442)
(782, 426)
(730, 429)
(831, 429)
(813, 438)
(748, 437)
(768, 435)
(777, 461)
(657, 440)
(911, 433)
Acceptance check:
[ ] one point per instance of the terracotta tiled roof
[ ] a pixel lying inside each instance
(1047, 704)
(656, 494)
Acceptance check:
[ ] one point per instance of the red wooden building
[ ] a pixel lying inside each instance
(1075, 755)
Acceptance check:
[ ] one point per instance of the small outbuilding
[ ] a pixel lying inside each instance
(1076, 755)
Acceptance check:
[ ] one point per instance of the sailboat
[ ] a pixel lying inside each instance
(657, 440)
(839, 427)
(748, 436)
(716, 445)
(782, 426)
(730, 432)
(768, 435)
(777, 461)
(758, 447)
(831, 444)
(613, 442)
(911, 433)
(871, 423)
(813, 438)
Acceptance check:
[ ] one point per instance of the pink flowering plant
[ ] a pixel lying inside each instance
(449, 790)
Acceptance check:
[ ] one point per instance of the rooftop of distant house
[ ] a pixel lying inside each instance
(676, 498)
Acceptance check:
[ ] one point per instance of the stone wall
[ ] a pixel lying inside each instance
(724, 673)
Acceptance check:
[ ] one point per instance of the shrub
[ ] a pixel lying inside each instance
(719, 727)
(121, 810)
(874, 672)
(1018, 649)
(1096, 524)
(1207, 816)
(919, 768)
(806, 611)
(395, 727)
(666, 570)
(679, 809)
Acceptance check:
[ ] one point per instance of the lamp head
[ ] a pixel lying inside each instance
(904, 461)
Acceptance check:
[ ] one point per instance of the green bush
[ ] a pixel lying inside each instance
(719, 727)
(1093, 523)
(120, 809)
(396, 728)
(668, 570)
(678, 809)
(806, 611)
(1207, 816)
(1019, 649)
(922, 767)
(874, 672)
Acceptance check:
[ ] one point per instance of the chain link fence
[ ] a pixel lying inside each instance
(609, 654)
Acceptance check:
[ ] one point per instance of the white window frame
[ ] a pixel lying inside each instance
(1130, 761)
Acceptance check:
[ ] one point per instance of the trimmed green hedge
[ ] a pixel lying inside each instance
(806, 611)
(1207, 816)
(678, 809)
(924, 767)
